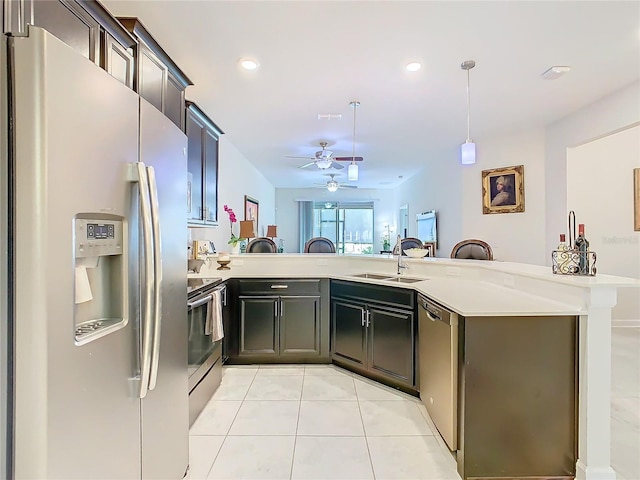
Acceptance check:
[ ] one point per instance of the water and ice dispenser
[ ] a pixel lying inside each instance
(100, 276)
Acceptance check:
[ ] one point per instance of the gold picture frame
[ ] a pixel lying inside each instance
(636, 199)
(503, 190)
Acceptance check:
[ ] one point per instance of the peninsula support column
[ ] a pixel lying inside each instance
(594, 380)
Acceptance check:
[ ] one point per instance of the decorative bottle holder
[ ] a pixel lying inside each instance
(573, 262)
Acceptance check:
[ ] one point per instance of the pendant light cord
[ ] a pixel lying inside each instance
(353, 151)
(468, 108)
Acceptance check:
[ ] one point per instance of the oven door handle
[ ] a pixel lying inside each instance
(199, 302)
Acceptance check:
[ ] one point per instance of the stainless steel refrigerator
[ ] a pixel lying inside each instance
(93, 306)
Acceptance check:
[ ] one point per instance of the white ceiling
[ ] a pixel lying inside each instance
(317, 56)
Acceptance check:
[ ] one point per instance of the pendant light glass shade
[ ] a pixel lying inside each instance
(468, 153)
(352, 172)
(468, 148)
(332, 185)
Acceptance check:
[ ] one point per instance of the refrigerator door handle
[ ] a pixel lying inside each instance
(157, 278)
(147, 319)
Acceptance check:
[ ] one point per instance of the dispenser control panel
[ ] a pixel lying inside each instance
(95, 238)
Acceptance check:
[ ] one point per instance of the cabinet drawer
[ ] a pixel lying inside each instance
(368, 293)
(279, 287)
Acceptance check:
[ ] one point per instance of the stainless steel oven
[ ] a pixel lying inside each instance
(204, 354)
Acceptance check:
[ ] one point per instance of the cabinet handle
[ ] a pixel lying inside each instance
(279, 286)
(362, 316)
(275, 307)
(368, 315)
(281, 308)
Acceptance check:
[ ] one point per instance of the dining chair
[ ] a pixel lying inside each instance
(319, 245)
(472, 249)
(262, 245)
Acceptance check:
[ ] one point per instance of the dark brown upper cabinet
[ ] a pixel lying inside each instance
(202, 166)
(86, 26)
(157, 78)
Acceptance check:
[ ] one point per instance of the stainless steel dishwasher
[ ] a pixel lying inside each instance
(438, 339)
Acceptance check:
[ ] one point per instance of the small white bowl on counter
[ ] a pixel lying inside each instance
(416, 252)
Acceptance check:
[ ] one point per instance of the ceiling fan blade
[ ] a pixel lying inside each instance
(348, 186)
(336, 165)
(307, 165)
(348, 159)
(306, 158)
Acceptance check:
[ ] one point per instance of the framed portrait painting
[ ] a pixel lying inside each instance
(251, 211)
(503, 190)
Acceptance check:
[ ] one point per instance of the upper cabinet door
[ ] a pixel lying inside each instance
(174, 100)
(195, 173)
(211, 175)
(152, 77)
(69, 22)
(158, 79)
(202, 187)
(118, 61)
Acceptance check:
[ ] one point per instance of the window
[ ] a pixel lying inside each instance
(348, 225)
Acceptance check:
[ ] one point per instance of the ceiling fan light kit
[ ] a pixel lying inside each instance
(468, 148)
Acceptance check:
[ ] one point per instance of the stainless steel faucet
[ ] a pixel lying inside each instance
(401, 264)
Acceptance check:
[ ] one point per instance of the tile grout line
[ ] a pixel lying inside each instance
(230, 425)
(366, 438)
(295, 437)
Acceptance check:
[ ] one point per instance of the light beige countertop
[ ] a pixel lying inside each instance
(468, 287)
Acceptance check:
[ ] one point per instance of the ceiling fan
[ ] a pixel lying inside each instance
(324, 159)
(333, 185)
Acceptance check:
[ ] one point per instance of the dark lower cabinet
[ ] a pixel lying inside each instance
(299, 325)
(372, 337)
(349, 341)
(281, 321)
(391, 341)
(518, 397)
(259, 326)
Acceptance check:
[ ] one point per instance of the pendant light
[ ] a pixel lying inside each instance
(468, 148)
(352, 172)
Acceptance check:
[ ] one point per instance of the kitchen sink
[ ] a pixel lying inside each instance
(375, 276)
(404, 279)
(387, 278)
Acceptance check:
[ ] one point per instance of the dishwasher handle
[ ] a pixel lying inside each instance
(434, 312)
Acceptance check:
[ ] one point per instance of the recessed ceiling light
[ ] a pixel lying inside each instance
(249, 64)
(555, 72)
(413, 67)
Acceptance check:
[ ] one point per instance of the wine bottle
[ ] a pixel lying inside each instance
(564, 258)
(582, 247)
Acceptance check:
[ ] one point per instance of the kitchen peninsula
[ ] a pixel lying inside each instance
(475, 289)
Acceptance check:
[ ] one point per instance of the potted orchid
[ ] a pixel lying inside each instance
(233, 241)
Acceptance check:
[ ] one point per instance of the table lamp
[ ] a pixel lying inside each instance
(272, 231)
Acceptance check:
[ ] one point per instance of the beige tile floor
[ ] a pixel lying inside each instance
(322, 422)
(313, 422)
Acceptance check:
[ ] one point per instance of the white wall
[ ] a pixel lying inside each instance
(287, 210)
(455, 192)
(514, 237)
(237, 177)
(610, 114)
(437, 187)
(600, 191)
